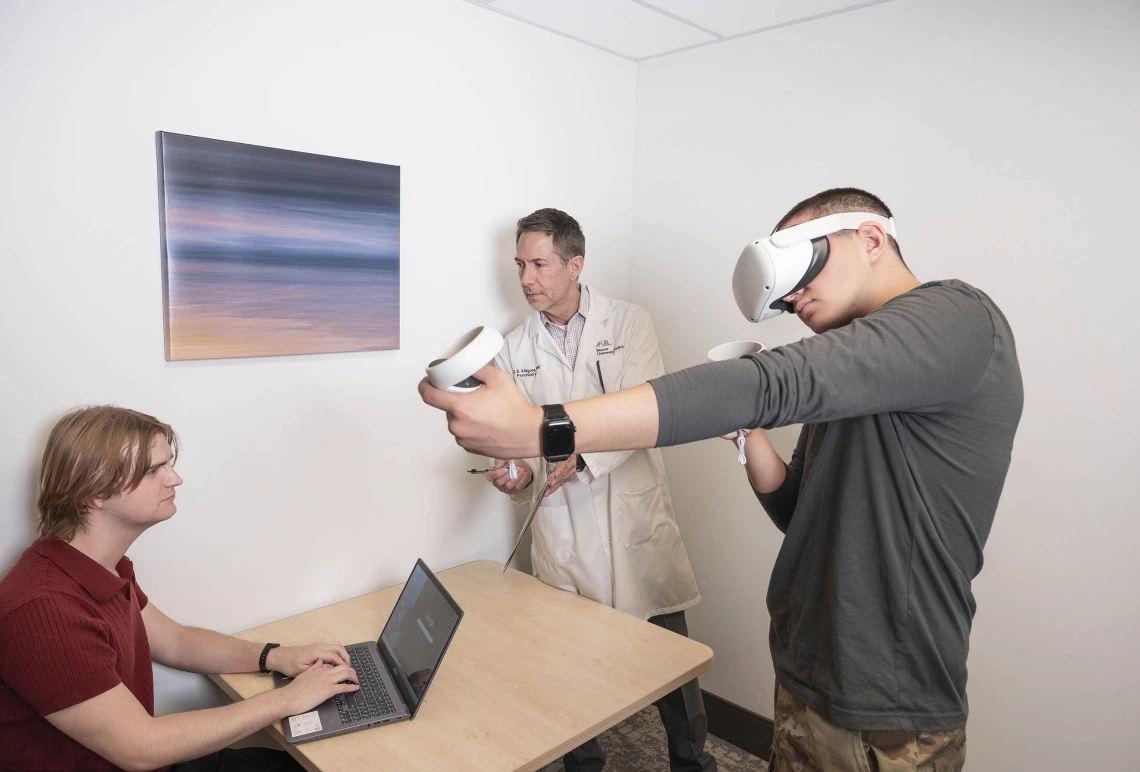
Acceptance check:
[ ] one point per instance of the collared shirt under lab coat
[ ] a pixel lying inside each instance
(609, 533)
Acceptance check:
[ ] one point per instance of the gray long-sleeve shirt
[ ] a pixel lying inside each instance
(909, 414)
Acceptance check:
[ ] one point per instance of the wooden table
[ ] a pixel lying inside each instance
(532, 673)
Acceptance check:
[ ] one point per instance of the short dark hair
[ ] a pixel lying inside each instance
(568, 238)
(839, 200)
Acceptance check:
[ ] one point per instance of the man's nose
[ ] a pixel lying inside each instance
(175, 480)
(791, 298)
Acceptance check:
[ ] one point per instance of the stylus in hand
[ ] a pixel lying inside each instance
(513, 473)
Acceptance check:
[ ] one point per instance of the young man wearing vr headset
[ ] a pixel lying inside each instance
(909, 395)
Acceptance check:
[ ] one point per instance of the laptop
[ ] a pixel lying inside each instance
(394, 671)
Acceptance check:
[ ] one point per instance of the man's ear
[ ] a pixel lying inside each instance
(873, 240)
(575, 265)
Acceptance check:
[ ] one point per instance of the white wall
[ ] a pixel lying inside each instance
(315, 478)
(1004, 137)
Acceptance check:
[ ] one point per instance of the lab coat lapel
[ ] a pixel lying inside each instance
(598, 327)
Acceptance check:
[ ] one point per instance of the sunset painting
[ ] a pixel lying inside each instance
(270, 252)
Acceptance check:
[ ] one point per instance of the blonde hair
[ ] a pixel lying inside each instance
(93, 452)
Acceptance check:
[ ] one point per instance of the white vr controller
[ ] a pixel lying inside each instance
(735, 350)
(455, 370)
(782, 264)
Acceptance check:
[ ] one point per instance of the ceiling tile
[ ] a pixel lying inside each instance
(617, 25)
(732, 17)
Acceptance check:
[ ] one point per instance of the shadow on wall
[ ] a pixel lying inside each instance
(23, 521)
(504, 266)
(510, 294)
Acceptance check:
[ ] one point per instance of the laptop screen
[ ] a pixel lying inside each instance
(418, 632)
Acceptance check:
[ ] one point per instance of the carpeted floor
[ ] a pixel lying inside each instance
(638, 745)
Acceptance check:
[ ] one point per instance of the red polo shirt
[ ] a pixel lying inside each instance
(69, 630)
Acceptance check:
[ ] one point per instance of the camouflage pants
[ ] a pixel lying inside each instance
(804, 741)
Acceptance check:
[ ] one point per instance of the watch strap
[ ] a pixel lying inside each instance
(265, 655)
(554, 413)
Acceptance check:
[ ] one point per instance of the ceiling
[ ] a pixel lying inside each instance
(646, 29)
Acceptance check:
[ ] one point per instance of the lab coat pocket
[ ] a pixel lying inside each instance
(610, 373)
(641, 516)
(552, 536)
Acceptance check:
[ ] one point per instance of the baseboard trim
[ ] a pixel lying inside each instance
(746, 730)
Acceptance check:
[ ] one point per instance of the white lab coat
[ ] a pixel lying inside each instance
(609, 533)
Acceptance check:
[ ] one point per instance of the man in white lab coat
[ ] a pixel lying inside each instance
(606, 529)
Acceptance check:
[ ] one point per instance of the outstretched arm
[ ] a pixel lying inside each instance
(916, 354)
(497, 420)
(197, 650)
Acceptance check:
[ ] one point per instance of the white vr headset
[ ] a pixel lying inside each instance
(784, 263)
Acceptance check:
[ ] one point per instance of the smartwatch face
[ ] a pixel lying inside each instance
(557, 440)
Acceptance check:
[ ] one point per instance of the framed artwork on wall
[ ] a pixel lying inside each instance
(269, 252)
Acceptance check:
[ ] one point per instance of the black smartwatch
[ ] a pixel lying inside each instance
(557, 434)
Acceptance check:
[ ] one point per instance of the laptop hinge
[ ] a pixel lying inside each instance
(394, 672)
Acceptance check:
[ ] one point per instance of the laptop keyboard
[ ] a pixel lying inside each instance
(372, 699)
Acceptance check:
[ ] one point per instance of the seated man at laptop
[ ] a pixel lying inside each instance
(77, 633)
